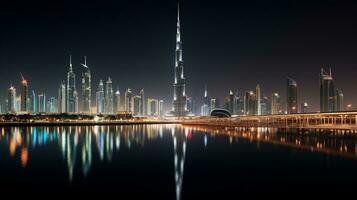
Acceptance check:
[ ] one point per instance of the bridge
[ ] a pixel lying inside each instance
(330, 120)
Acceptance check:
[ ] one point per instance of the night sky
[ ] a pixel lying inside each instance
(227, 45)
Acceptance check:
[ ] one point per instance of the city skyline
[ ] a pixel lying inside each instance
(129, 75)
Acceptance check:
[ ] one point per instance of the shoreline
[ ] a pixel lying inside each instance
(85, 123)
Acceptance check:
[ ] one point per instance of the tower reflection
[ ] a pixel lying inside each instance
(179, 140)
(79, 146)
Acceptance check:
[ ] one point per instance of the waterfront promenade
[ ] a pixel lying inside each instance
(334, 120)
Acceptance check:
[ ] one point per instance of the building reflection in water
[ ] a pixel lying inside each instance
(179, 141)
(78, 145)
(331, 142)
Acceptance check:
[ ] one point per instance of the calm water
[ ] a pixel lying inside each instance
(176, 162)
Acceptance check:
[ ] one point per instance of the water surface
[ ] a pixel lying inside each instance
(176, 162)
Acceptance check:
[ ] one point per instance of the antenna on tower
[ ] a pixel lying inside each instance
(85, 63)
(70, 62)
(22, 77)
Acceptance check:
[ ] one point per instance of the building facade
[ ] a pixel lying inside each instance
(109, 96)
(100, 97)
(86, 88)
(291, 96)
(128, 100)
(71, 88)
(275, 104)
(11, 100)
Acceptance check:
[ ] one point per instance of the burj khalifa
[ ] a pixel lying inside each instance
(179, 107)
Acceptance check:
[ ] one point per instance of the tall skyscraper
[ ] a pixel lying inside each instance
(265, 106)
(86, 88)
(136, 105)
(71, 88)
(214, 103)
(41, 103)
(250, 103)
(142, 105)
(339, 100)
(109, 97)
(258, 100)
(51, 106)
(179, 102)
(117, 100)
(153, 107)
(100, 97)
(128, 100)
(230, 103)
(275, 104)
(239, 105)
(191, 105)
(24, 94)
(327, 92)
(33, 102)
(11, 100)
(291, 96)
(205, 108)
(62, 97)
(161, 108)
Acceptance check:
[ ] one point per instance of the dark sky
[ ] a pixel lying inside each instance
(227, 44)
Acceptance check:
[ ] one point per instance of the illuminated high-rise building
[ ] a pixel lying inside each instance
(128, 101)
(71, 88)
(153, 107)
(62, 97)
(205, 108)
(142, 104)
(214, 103)
(161, 108)
(291, 96)
(258, 110)
(250, 103)
(41, 103)
(327, 92)
(275, 104)
(117, 101)
(230, 102)
(109, 97)
(100, 97)
(11, 100)
(33, 102)
(339, 100)
(136, 105)
(86, 88)
(265, 106)
(239, 105)
(24, 94)
(179, 102)
(191, 105)
(51, 106)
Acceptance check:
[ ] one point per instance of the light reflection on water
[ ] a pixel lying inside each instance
(79, 145)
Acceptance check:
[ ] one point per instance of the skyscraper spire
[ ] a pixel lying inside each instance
(70, 63)
(205, 90)
(85, 60)
(178, 13)
(180, 100)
